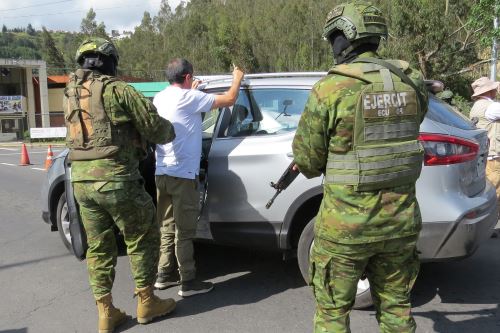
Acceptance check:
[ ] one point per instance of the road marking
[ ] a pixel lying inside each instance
(10, 149)
(31, 152)
(9, 164)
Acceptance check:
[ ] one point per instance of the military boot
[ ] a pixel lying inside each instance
(150, 306)
(109, 316)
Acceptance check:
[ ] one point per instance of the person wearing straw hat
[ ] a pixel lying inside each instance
(487, 112)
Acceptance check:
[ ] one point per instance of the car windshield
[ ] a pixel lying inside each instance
(443, 113)
(267, 111)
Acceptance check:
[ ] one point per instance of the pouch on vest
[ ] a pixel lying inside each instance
(386, 152)
(90, 132)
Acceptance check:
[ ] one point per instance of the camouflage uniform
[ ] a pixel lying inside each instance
(110, 191)
(356, 232)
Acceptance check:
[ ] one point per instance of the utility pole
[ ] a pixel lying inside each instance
(494, 51)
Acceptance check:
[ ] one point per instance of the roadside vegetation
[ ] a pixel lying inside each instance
(447, 40)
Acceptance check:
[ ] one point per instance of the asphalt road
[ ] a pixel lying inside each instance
(44, 289)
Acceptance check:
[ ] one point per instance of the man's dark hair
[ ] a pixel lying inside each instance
(177, 69)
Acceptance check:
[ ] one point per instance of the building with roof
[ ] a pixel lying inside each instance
(31, 99)
(19, 110)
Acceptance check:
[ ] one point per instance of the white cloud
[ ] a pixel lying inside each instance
(68, 14)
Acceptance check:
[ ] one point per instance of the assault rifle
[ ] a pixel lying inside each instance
(285, 180)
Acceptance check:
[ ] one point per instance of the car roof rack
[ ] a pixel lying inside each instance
(277, 75)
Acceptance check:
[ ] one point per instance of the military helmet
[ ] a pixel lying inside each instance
(357, 20)
(447, 94)
(96, 45)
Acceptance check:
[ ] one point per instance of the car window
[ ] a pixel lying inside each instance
(442, 112)
(209, 120)
(266, 111)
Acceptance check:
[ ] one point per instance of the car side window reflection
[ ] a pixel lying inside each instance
(209, 121)
(266, 112)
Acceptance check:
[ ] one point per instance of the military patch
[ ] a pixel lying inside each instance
(389, 104)
(337, 11)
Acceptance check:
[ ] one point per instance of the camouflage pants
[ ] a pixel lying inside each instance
(178, 202)
(130, 208)
(391, 267)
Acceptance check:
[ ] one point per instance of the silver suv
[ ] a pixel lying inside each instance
(247, 146)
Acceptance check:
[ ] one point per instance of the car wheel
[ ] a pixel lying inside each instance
(306, 241)
(62, 217)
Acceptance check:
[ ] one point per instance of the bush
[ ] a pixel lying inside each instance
(462, 104)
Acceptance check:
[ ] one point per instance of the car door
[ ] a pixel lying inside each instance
(251, 146)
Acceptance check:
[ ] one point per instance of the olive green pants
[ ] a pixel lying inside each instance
(177, 209)
(126, 205)
(391, 267)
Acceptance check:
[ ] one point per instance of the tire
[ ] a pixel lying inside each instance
(306, 241)
(62, 218)
(304, 249)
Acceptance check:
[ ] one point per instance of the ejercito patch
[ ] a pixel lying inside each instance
(389, 104)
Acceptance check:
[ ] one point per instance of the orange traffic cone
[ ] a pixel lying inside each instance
(25, 160)
(48, 160)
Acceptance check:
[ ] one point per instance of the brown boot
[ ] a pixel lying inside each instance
(109, 316)
(150, 306)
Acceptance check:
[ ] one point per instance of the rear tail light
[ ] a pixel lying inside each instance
(444, 149)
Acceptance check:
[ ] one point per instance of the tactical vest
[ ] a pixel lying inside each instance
(91, 134)
(385, 150)
(493, 127)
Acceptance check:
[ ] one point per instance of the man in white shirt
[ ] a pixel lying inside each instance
(487, 112)
(177, 168)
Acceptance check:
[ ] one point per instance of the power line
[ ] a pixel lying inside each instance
(38, 5)
(67, 12)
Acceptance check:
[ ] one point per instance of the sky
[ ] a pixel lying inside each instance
(67, 15)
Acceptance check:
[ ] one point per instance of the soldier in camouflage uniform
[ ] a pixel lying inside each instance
(359, 129)
(108, 123)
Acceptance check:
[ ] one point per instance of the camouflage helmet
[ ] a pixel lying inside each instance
(447, 94)
(96, 45)
(356, 20)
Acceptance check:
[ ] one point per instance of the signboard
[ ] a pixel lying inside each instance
(11, 104)
(47, 132)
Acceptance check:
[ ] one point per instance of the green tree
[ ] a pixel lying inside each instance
(482, 15)
(433, 35)
(90, 27)
(140, 55)
(52, 56)
(164, 16)
(30, 31)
